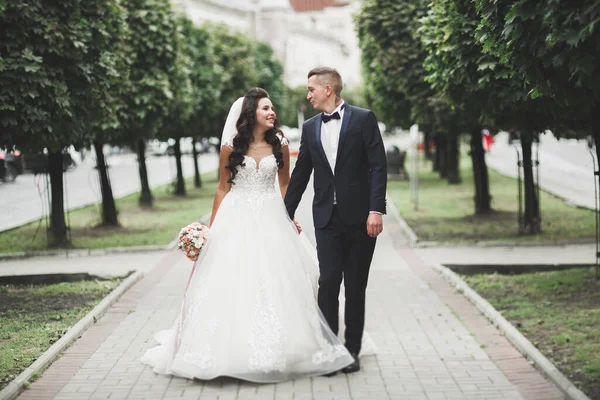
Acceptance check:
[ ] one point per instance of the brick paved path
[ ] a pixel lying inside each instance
(433, 344)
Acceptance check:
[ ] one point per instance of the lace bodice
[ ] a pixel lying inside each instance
(256, 178)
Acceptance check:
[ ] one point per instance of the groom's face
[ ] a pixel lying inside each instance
(318, 92)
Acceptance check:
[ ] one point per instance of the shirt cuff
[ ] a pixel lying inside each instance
(375, 212)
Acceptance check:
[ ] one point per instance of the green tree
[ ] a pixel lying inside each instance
(270, 73)
(553, 48)
(177, 122)
(57, 67)
(459, 70)
(385, 84)
(235, 55)
(553, 45)
(355, 95)
(106, 129)
(206, 77)
(295, 102)
(149, 95)
(393, 58)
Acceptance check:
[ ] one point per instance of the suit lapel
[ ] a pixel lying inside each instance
(318, 124)
(344, 129)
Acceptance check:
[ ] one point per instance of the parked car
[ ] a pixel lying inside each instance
(156, 147)
(11, 165)
(202, 146)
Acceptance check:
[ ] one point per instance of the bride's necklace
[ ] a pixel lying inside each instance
(256, 147)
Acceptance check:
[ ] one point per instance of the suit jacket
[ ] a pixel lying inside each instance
(360, 175)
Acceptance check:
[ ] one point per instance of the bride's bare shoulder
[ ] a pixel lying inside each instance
(226, 150)
(282, 139)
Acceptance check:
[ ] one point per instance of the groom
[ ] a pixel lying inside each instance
(344, 147)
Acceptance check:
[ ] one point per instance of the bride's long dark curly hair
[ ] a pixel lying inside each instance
(245, 126)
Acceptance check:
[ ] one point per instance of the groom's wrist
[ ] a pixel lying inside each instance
(375, 212)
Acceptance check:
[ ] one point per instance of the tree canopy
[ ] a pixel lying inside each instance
(58, 63)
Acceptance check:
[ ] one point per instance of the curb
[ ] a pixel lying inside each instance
(409, 234)
(14, 388)
(484, 244)
(508, 269)
(86, 252)
(520, 342)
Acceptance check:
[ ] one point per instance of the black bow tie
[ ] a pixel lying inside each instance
(327, 118)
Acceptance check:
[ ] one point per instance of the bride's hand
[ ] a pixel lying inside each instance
(298, 227)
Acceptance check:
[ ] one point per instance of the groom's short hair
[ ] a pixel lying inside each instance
(329, 76)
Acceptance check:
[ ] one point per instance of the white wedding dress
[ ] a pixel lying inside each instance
(250, 309)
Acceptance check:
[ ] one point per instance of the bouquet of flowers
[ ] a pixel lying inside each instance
(191, 239)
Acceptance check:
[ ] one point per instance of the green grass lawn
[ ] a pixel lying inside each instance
(32, 318)
(156, 226)
(446, 212)
(559, 312)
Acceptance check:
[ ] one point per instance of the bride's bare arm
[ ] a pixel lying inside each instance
(223, 187)
(283, 173)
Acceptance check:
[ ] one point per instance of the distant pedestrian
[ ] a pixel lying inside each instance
(488, 140)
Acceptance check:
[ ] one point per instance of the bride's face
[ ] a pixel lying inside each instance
(265, 114)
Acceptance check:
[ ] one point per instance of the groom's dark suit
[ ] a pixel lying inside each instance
(359, 181)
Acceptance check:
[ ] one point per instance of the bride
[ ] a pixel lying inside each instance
(249, 310)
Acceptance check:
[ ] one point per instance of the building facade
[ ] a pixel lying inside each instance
(303, 33)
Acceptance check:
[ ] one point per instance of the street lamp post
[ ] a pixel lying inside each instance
(414, 175)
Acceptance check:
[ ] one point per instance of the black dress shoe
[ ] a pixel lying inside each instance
(354, 367)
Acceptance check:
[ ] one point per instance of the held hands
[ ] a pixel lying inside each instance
(374, 224)
(298, 227)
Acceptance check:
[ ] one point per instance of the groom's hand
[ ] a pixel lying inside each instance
(374, 224)
(298, 227)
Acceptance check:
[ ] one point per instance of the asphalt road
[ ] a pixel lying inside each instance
(26, 199)
(566, 167)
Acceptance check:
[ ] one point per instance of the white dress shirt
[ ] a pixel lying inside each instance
(330, 139)
(330, 136)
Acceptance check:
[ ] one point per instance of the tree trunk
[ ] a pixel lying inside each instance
(452, 161)
(197, 177)
(441, 156)
(480, 174)
(427, 149)
(179, 182)
(531, 218)
(145, 199)
(58, 226)
(109, 209)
